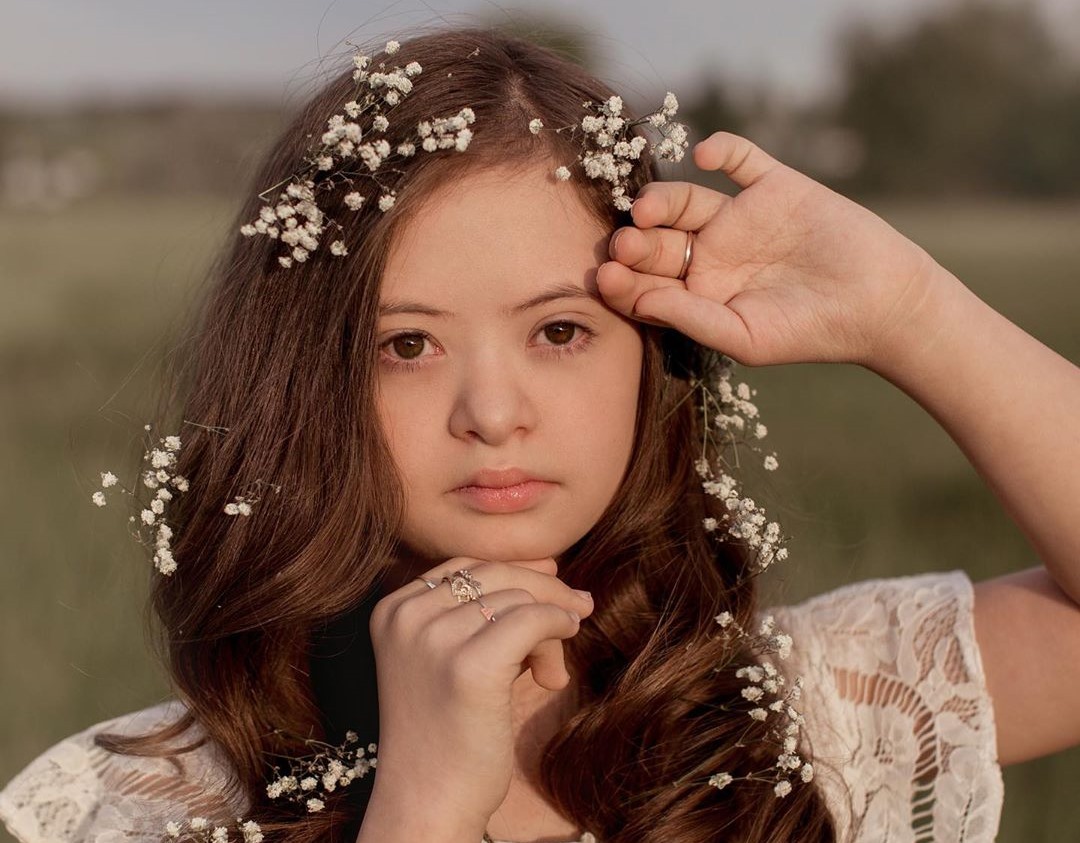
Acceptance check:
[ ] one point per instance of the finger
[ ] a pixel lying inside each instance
(703, 319)
(676, 204)
(415, 587)
(547, 662)
(531, 577)
(737, 157)
(621, 287)
(525, 636)
(655, 251)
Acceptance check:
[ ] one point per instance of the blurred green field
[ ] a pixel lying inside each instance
(869, 485)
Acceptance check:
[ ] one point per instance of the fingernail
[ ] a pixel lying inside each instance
(584, 595)
(575, 616)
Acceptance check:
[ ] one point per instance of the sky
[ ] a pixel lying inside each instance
(57, 51)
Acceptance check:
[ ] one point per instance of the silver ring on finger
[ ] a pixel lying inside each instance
(464, 586)
(687, 257)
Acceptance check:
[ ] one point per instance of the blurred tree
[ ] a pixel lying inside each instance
(977, 98)
(564, 36)
(711, 110)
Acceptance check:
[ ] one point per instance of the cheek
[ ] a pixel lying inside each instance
(404, 428)
(602, 423)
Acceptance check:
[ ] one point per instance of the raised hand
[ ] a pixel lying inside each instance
(786, 271)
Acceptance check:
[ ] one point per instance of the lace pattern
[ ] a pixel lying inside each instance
(79, 793)
(897, 714)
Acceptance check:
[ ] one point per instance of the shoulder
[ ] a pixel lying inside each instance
(78, 792)
(897, 705)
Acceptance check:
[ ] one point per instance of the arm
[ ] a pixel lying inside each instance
(789, 271)
(406, 809)
(1009, 402)
(1013, 407)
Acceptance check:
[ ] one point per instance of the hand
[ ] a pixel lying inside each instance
(786, 271)
(444, 677)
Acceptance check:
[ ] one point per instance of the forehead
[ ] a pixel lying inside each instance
(496, 235)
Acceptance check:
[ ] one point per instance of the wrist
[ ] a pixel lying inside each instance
(925, 318)
(412, 813)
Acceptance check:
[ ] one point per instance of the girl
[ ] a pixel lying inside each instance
(479, 380)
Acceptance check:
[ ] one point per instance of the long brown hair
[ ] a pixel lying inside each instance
(280, 378)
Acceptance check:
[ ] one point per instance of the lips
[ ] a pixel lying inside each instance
(499, 478)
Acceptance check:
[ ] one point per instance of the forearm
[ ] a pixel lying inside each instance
(1010, 403)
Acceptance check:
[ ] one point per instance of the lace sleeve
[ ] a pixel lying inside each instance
(897, 711)
(77, 792)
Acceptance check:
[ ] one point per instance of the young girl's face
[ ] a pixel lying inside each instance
(550, 389)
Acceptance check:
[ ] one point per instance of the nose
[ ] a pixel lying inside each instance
(493, 400)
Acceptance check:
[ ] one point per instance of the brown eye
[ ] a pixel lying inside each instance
(555, 329)
(403, 342)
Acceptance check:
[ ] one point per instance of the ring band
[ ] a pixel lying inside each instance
(485, 611)
(686, 258)
(466, 588)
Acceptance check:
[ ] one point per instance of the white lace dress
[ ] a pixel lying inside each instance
(895, 700)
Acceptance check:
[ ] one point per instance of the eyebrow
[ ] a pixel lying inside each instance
(559, 291)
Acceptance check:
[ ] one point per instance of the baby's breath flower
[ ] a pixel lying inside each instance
(314, 805)
(611, 149)
(535, 125)
(341, 147)
(562, 173)
(98, 498)
(783, 788)
(720, 780)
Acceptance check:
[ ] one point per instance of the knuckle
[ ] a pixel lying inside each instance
(428, 638)
(404, 615)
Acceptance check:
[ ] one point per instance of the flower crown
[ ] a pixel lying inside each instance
(345, 154)
(608, 153)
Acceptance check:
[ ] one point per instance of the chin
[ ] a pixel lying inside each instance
(506, 544)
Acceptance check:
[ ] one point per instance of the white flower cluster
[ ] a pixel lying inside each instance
(766, 681)
(295, 219)
(732, 412)
(201, 830)
(159, 476)
(610, 150)
(310, 778)
(242, 504)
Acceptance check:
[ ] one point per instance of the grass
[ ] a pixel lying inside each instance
(869, 484)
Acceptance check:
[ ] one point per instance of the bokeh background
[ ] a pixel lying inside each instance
(128, 131)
